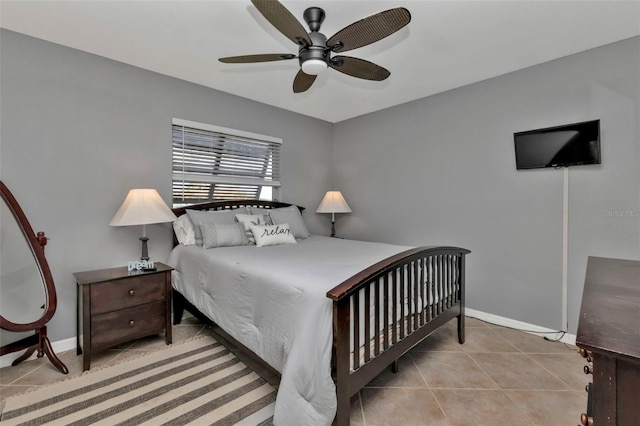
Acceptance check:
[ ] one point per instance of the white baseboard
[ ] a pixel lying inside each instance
(567, 338)
(58, 347)
(69, 344)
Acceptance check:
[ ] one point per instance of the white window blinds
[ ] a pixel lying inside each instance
(216, 163)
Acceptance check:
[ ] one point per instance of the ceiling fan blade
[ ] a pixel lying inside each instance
(302, 82)
(359, 68)
(266, 57)
(369, 29)
(280, 17)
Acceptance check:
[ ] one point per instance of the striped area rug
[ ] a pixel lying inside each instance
(198, 382)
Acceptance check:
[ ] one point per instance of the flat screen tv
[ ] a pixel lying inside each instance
(561, 146)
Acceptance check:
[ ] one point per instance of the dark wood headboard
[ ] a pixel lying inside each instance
(231, 204)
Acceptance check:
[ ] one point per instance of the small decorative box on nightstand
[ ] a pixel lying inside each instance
(116, 306)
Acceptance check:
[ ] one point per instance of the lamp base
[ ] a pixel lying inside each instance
(333, 228)
(145, 253)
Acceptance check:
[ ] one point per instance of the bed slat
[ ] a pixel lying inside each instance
(393, 316)
(403, 296)
(376, 350)
(385, 301)
(367, 323)
(356, 327)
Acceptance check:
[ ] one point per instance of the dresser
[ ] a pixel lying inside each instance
(116, 306)
(609, 339)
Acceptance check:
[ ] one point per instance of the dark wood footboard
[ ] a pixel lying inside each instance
(385, 310)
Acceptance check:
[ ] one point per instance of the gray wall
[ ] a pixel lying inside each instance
(78, 131)
(441, 170)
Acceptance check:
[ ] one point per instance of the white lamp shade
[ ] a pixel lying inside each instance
(333, 202)
(142, 207)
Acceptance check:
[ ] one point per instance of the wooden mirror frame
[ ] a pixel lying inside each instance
(39, 341)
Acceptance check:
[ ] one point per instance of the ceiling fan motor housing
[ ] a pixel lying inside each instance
(314, 58)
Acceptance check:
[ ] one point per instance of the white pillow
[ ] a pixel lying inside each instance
(198, 217)
(258, 210)
(253, 219)
(183, 228)
(223, 235)
(292, 216)
(272, 235)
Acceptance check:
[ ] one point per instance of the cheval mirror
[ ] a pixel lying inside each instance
(27, 292)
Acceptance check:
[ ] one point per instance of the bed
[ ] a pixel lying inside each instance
(326, 315)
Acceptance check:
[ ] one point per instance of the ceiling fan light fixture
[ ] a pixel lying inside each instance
(314, 66)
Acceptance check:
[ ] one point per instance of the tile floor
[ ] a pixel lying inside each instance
(498, 377)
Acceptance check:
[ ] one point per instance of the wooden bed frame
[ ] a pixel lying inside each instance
(381, 288)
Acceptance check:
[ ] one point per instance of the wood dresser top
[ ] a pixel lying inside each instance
(610, 312)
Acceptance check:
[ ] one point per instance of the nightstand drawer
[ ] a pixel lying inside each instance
(126, 324)
(112, 295)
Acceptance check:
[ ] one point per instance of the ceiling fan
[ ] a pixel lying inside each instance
(315, 49)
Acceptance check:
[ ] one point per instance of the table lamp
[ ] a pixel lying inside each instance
(333, 202)
(142, 207)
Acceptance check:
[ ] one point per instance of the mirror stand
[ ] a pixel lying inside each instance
(39, 341)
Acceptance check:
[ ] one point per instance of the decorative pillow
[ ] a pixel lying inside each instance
(184, 230)
(253, 219)
(198, 217)
(273, 235)
(223, 235)
(258, 210)
(292, 216)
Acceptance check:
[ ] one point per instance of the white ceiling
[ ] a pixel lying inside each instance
(448, 44)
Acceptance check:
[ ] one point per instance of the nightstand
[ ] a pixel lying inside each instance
(116, 306)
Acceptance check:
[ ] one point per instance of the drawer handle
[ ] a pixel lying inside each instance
(132, 292)
(132, 323)
(586, 420)
(587, 370)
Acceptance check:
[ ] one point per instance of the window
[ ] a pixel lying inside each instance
(215, 163)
